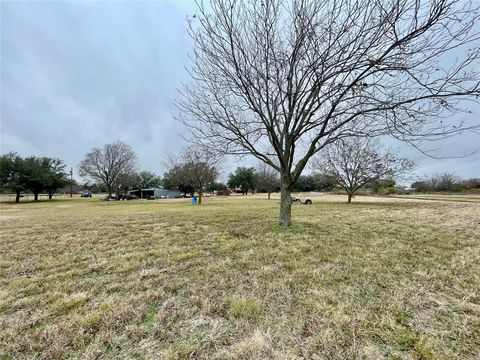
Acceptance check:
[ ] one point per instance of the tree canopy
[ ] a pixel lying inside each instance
(243, 178)
(11, 174)
(33, 173)
(55, 175)
(354, 162)
(109, 165)
(174, 179)
(147, 179)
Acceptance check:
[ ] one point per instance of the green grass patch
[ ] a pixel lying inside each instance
(242, 307)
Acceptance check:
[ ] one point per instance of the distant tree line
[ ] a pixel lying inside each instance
(351, 164)
(263, 179)
(445, 182)
(113, 168)
(34, 174)
(196, 172)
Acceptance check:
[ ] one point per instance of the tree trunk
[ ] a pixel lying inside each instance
(50, 195)
(199, 197)
(35, 198)
(17, 197)
(285, 218)
(349, 198)
(269, 193)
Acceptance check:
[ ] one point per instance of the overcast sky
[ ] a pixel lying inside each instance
(78, 75)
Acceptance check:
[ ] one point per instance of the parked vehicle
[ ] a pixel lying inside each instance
(298, 201)
(127, 197)
(86, 193)
(120, 197)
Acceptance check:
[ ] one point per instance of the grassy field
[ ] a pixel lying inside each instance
(394, 278)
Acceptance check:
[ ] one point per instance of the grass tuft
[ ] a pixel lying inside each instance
(70, 302)
(247, 308)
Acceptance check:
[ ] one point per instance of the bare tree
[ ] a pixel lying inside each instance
(448, 181)
(108, 165)
(266, 179)
(195, 168)
(443, 182)
(280, 80)
(434, 181)
(355, 162)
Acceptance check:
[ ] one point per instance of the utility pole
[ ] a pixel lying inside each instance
(71, 182)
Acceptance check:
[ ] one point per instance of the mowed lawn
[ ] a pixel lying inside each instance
(395, 278)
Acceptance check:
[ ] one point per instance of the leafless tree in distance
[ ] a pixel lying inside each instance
(109, 164)
(266, 179)
(355, 162)
(280, 80)
(195, 167)
(447, 181)
(434, 180)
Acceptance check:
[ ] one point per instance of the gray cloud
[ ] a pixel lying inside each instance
(81, 74)
(75, 75)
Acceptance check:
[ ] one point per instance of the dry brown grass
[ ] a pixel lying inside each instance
(382, 278)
